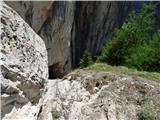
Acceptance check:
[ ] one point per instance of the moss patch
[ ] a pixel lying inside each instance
(73, 75)
(55, 113)
(91, 83)
(150, 109)
(124, 70)
(145, 113)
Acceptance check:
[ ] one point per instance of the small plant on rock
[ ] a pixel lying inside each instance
(86, 59)
(146, 114)
(55, 113)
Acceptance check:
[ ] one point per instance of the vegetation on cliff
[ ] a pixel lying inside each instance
(136, 44)
(86, 59)
(124, 70)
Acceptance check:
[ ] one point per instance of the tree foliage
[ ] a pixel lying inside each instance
(86, 59)
(147, 57)
(131, 42)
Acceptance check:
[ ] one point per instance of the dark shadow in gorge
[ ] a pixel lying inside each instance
(55, 71)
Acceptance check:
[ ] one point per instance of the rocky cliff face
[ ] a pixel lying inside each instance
(56, 32)
(24, 63)
(34, 13)
(94, 23)
(68, 28)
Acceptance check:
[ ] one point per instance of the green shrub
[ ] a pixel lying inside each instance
(55, 113)
(147, 57)
(135, 32)
(86, 59)
(146, 114)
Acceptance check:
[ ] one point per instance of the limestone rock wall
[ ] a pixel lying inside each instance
(23, 62)
(56, 32)
(94, 23)
(34, 13)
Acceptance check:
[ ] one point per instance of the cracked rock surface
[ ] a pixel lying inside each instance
(117, 99)
(23, 61)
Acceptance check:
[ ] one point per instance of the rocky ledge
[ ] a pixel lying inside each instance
(92, 95)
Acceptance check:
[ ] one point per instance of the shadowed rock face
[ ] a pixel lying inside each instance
(34, 13)
(56, 32)
(94, 23)
(23, 62)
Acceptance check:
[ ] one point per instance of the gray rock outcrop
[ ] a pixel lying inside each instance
(24, 63)
(92, 95)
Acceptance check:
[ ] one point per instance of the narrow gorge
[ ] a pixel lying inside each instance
(41, 45)
(68, 28)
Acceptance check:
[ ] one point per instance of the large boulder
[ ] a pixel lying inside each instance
(23, 61)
